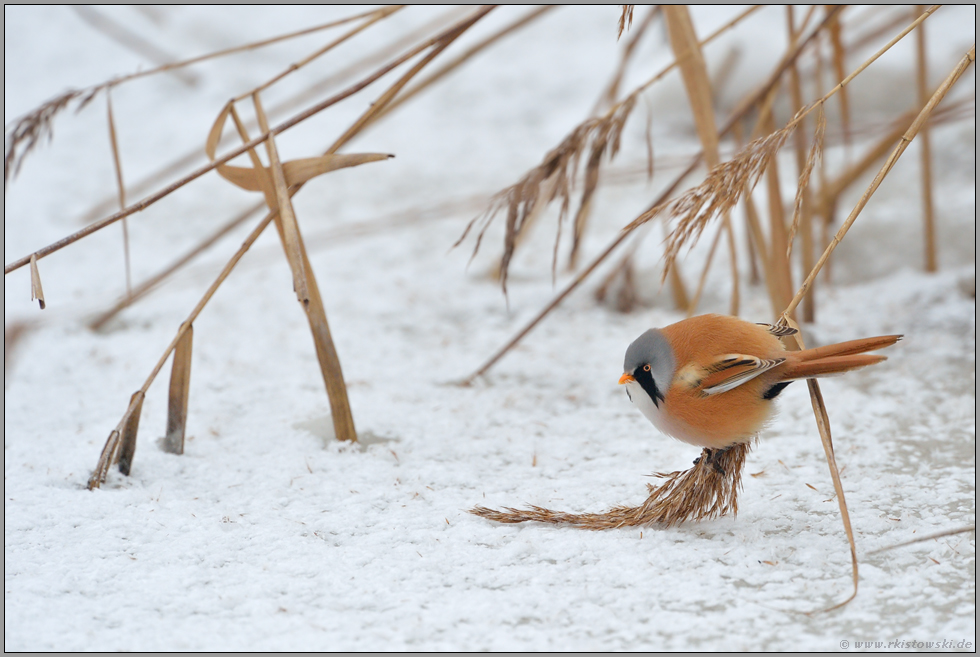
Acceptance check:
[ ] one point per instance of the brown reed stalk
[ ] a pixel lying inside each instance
(752, 245)
(928, 537)
(803, 210)
(823, 426)
(179, 393)
(922, 84)
(333, 377)
(801, 206)
(287, 218)
(121, 187)
(694, 73)
(707, 490)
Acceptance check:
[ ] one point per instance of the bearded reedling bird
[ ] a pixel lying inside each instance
(711, 380)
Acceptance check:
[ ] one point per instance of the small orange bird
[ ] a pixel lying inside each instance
(711, 380)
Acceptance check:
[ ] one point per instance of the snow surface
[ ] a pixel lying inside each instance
(269, 534)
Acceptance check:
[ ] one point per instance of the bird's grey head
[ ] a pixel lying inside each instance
(651, 349)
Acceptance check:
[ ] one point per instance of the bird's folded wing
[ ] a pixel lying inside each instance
(732, 370)
(778, 330)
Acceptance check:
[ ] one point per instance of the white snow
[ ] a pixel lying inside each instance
(268, 534)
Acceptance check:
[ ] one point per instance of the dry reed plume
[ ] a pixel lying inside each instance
(707, 490)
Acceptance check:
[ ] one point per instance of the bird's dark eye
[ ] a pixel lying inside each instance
(646, 368)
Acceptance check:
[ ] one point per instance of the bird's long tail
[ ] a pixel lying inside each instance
(836, 358)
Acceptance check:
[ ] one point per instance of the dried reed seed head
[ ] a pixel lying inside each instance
(29, 129)
(816, 150)
(625, 19)
(599, 136)
(719, 193)
(707, 490)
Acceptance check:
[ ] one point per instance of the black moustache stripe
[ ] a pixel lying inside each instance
(645, 379)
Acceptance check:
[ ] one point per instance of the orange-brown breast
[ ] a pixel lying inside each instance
(730, 417)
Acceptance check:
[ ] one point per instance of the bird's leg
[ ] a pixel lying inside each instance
(705, 454)
(714, 460)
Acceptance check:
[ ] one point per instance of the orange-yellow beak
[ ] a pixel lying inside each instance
(626, 378)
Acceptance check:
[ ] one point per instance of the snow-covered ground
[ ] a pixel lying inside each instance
(269, 534)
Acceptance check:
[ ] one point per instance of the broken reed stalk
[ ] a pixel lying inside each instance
(286, 221)
(179, 394)
(968, 59)
(707, 490)
(922, 84)
(840, 67)
(452, 33)
(37, 292)
(117, 163)
(111, 450)
(650, 213)
(129, 428)
(778, 236)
